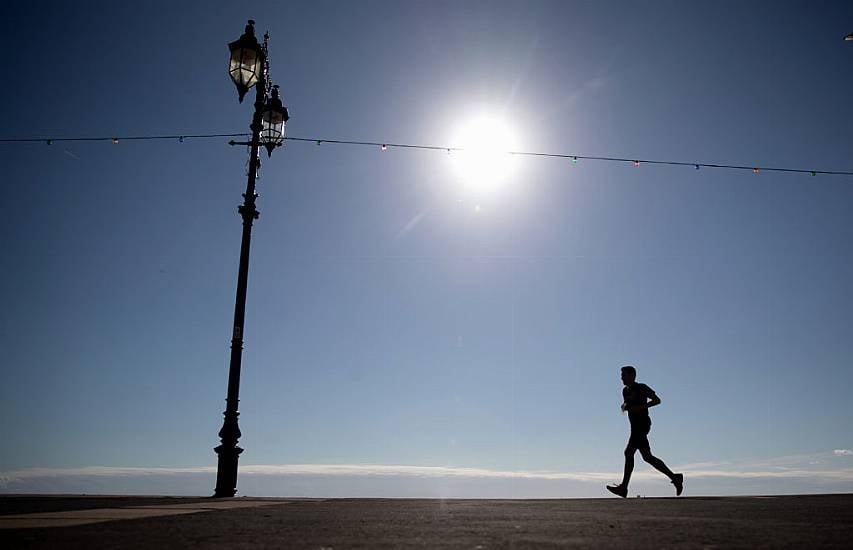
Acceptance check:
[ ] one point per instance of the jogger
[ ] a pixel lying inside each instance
(636, 400)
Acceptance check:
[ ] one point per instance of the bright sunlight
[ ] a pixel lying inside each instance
(485, 165)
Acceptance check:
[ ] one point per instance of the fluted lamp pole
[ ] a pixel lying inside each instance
(248, 67)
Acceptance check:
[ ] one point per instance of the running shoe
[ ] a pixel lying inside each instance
(618, 490)
(678, 481)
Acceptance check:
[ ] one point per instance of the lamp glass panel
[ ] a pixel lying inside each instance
(244, 66)
(272, 132)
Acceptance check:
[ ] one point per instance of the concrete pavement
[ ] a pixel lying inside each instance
(820, 521)
(70, 512)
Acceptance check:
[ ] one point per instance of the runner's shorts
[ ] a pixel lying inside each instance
(640, 433)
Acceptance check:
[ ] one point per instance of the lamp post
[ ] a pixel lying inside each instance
(248, 66)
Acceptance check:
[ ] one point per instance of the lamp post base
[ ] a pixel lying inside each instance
(226, 472)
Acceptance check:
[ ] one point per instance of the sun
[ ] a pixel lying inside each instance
(484, 163)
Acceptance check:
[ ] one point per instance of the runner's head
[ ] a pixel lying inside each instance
(629, 374)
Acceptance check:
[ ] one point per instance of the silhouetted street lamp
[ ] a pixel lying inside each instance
(248, 66)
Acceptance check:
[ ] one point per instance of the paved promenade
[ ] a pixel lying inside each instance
(823, 521)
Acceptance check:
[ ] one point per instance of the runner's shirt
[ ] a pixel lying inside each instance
(637, 394)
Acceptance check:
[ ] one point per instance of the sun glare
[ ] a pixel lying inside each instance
(484, 164)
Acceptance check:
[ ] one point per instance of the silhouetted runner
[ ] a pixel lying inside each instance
(636, 399)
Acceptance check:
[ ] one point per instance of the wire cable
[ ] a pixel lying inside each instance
(386, 145)
(116, 139)
(575, 158)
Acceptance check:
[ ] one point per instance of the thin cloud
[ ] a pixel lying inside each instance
(781, 467)
(348, 470)
(815, 473)
(703, 465)
(779, 462)
(841, 475)
(419, 471)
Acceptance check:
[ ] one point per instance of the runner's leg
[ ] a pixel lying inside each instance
(657, 463)
(629, 465)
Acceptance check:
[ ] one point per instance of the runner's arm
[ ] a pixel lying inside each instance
(653, 401)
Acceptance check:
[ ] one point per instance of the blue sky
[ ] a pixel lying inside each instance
(395, 320)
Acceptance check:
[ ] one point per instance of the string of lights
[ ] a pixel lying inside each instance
(384, 146)
(117, 139)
